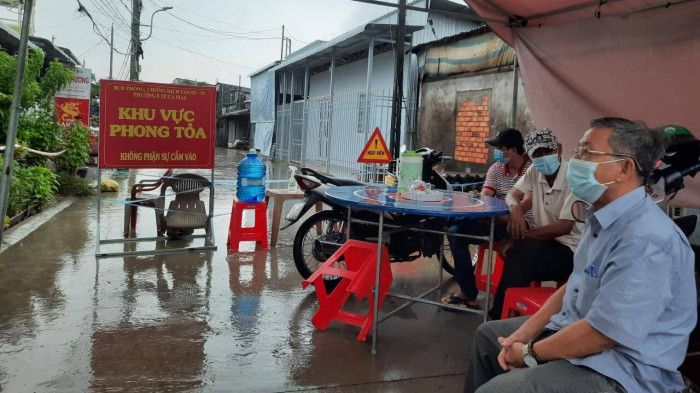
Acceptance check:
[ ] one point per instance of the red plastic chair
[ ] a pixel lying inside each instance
(356, 278)
(481, 277)
(238, 234)
(525, 301)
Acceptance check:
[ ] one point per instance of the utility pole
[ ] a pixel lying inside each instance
(14, 114)
(136, 6)
(397, 100)
(111, 50)
(289, 46)
(282, 45)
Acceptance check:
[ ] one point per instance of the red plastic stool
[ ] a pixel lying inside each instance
(525, 301)
(356, 278)
(258, 233)
(481, 277)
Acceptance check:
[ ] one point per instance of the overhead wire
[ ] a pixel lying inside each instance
(222, 32)
(95, 28)
(247, 31)
(203, 55)
(91, 48)
(294, 38)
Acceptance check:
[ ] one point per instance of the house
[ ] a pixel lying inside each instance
(327, 97)
(232, 111)
(466, 86)
(232, 115)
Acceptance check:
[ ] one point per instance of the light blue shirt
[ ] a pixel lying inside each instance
(634, 281)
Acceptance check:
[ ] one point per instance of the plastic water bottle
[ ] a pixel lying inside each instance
(292, 184)
(251, 178)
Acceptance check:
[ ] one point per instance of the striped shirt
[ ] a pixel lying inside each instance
(500, 181)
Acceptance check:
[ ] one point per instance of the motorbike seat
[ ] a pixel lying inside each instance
(331, 180)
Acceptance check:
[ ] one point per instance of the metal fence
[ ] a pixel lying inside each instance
(328, 134)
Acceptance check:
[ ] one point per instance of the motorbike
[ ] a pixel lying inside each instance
(320, 235)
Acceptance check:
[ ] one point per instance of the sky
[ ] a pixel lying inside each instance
(205, 40)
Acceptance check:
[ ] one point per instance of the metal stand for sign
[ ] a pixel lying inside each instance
(208, 236)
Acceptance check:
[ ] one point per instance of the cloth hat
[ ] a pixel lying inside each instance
(540, 138)
(508, 137)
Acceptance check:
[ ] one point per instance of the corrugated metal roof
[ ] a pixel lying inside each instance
(416, 23)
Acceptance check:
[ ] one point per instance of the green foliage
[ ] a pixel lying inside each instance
(38, 130)
(53, 80)
(32, 183)
(37, 91)
(76, 141)
(30, 186)
(71, 185)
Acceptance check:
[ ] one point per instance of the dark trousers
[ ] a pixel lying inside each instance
(532, 260)
(484, 375)
(459, 246)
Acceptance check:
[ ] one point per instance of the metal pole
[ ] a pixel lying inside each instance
(210, 241)
(291, 121)
(281, 123)
(397, 100)
(99, 208)
(489, 267)
(111, 50)
(514, 111)
(368, 99)
(136, 6)
(330, 116)
(282, 45)
(303, 117)
(14, 114)
(375, 310)
(440, 257)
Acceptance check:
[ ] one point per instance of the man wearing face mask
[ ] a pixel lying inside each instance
(622, 322)
(544, 252)
(511, 163)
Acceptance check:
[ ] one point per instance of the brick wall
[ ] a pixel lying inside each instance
(471, 130)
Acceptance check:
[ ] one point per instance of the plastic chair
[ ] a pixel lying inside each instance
(481, 275)
(138, 199)
(237, 233)
(357, 278)
(525, 301)
(186, 212)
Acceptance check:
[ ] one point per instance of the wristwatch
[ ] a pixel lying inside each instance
(528, 358)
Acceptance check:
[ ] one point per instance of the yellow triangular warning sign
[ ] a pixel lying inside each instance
(375, 151)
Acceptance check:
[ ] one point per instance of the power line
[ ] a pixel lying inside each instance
(203, 55)
(123, 70)
(109, 14)
(96, 29)
(91, 48)
(247, 31)
(294, 38)
(222, 32)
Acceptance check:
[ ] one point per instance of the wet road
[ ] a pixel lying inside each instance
(200, 322)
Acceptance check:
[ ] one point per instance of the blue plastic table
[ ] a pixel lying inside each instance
(452, 204)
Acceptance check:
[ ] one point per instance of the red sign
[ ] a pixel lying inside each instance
(375, 151)
(69, 110)
(156, 125)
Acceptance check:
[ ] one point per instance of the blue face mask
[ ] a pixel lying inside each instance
(499, 157)
(546, 165)
(580, 176)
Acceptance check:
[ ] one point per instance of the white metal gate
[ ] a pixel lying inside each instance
(329, 135)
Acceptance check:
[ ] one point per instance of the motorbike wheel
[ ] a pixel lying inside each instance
(311, 246)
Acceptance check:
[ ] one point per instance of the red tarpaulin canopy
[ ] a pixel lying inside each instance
(580, 60)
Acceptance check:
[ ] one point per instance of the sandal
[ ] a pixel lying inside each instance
(457, 301)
